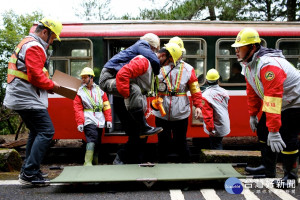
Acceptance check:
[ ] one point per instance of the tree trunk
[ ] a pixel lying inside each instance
(212, 13)
(291, 10)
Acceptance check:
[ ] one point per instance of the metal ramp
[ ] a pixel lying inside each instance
(146, 173)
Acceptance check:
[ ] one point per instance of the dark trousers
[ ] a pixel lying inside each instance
(133, 151)
(173, 140)
(41, 133)
(289, 129)
(93, 134)
(216, 142)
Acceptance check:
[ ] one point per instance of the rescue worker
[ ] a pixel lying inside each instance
(92, 110)
(27, 94)
(146, 46)
(178, 78)
(273, 83)
(216, 122)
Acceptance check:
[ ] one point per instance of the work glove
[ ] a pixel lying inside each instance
(108, 125)
(253, 123)
(80, 128)
(275, 142)
(212, 133)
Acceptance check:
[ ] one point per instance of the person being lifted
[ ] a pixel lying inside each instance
(136, 79)
(147, 46)
(273, 83)
(92, 110)
(177, 78)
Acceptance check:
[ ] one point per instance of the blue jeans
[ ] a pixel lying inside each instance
(41, 133)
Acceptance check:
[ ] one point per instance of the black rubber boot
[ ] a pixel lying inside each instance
(290, 168)
(268, 166)
(256, 170)
(145, 129)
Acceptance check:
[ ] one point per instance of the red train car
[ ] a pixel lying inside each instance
(207, 44)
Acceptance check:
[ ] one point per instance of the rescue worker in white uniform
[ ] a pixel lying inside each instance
(92, 110)
(215, 110)
(273, 83)
(178, 78)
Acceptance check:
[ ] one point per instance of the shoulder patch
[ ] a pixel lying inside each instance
(269, 75)
(203, 102)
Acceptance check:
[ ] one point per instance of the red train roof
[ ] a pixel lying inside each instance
(180, 28)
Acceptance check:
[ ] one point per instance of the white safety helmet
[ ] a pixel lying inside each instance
(152, 39)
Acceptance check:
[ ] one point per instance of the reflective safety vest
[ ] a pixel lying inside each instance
(96, 108)
(12, 71)
(173, 91)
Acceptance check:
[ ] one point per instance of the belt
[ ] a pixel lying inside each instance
(177, 94)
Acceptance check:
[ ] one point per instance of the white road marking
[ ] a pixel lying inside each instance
(176, 195)
(10, 182)
(247, 193)
(16, 182)
(210, 194)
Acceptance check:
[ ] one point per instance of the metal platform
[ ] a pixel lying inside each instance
(147, 173)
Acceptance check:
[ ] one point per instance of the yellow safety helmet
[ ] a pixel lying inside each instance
(54, 26)
(246, 36)
(174, 50)
(177, 40)
(212, 75)
(87, 71)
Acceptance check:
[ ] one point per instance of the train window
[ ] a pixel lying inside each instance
(291, 50)
(195, 55)
(79, 52)
(61, 65)
(230, 70)
(71, 56)
(226, 63)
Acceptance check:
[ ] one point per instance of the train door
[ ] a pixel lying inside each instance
(69, 56)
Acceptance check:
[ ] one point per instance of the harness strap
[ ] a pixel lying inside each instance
(95, 107)
(178, 80)
(177, 94)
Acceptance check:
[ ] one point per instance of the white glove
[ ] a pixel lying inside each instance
(108, 125)
(275, 142)
(80, 128)
(212, 133)
(253, 123)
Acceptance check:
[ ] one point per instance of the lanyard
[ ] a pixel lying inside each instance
(95, 107)
(169, 85)
(256, 79)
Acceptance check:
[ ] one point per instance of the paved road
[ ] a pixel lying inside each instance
(254, 189)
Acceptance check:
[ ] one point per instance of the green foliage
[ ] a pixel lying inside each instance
(252, 10)
(14, 28)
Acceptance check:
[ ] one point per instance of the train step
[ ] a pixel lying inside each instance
(229, 156)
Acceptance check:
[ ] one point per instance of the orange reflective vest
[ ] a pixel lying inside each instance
(12, 71)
